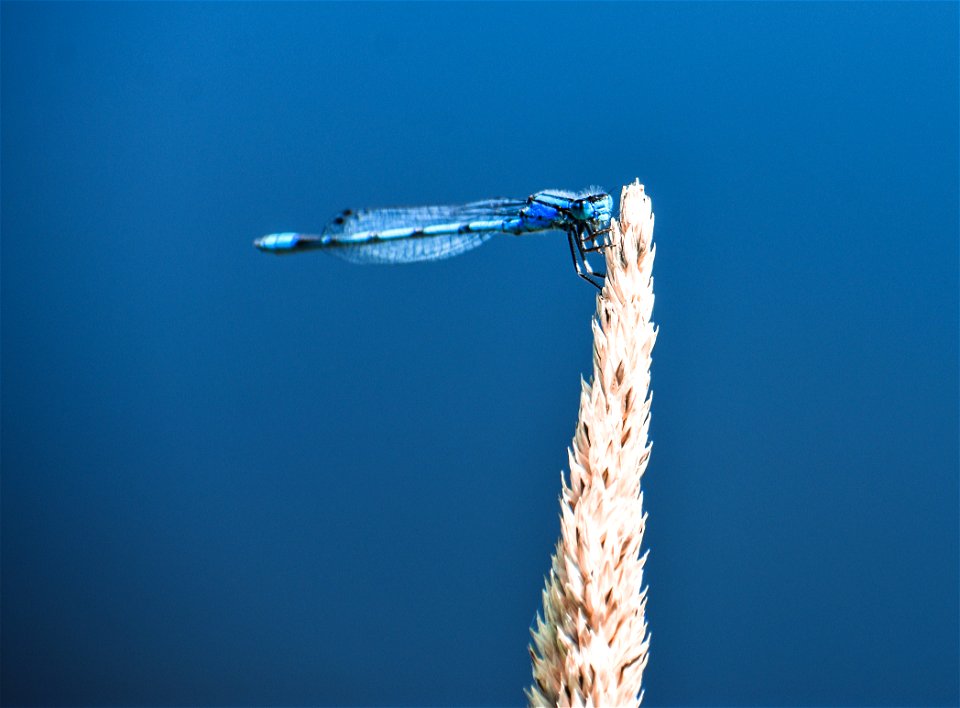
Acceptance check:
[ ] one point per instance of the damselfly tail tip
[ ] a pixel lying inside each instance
(277, 243)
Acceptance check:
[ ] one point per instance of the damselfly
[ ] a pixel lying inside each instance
(406, 235)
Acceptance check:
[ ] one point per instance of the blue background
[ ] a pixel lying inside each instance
(236, 479)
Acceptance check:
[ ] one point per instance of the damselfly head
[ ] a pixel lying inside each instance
(593, 207)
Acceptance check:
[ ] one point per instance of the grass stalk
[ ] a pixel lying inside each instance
(591, 645)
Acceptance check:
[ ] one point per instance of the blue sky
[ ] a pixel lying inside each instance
(234, 479)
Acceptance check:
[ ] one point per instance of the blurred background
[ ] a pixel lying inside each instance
(229, 478)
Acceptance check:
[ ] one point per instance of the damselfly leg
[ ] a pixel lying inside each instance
(576, 241)
(592, 241)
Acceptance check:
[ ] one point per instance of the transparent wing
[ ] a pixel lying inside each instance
(350, 222)
(409, 250)
(349, 230)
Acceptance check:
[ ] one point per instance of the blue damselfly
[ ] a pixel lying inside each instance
(406, 235)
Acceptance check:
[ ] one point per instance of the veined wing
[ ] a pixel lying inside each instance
(408, 250)
(351, 222)
(411, 234)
